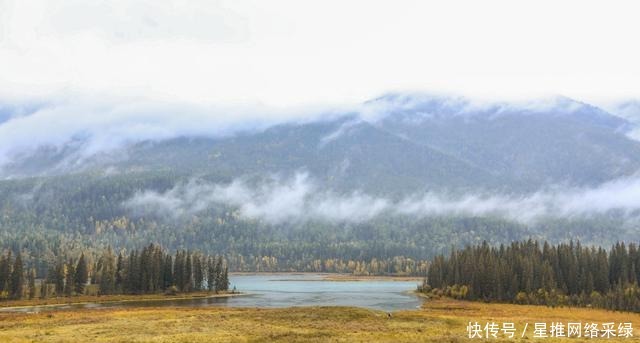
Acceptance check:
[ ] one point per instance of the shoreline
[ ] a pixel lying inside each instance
(333, 276)
(107, 299)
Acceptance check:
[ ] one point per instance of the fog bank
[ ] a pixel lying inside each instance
(301, 198)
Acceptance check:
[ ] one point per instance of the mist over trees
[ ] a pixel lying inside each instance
(379, 191)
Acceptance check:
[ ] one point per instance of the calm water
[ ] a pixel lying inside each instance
(285, 290)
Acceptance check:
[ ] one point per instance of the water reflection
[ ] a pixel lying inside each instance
(286, 290)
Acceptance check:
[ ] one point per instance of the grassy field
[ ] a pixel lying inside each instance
(437, 321)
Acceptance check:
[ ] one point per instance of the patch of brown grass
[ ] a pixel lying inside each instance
(438, 321)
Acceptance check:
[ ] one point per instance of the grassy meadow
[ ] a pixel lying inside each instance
(438, 321)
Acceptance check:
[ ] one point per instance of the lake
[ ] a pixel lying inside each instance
(286, 290)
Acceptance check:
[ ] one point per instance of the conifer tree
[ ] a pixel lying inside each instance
(17, 278)
(120, 273)
(168, 272)
(225, 279)
(211, 274)
(69, 283)
(58, 275)
(81, 275)
(107, 270)
(198, 277)
(188, 273)
(218, 275)
(178, 268)
(31, 284)
(43, 288)
(5, 272)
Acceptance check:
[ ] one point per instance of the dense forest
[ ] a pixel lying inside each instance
(73, 197)
(42, 217)
(530, 273)
(146, 271)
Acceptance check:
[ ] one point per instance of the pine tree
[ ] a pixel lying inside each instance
(133, 273)
(178, 270)
(218, 275)
(69, 278)
(168, 280)
(5, 272)
(198, 276)
(211, 274)
(225, 279)
(31, 284)
(120, 273)
(107, 271)
(17, 278)
(43, 289)
(188, 273)
(81, 275)
(155, 269)
(59, 277)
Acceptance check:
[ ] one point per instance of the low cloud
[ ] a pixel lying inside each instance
(300, 198)
(84, 126)
(102, 125)
(276, 201)
(630, 111)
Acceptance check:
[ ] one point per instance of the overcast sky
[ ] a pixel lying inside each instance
(282, 53)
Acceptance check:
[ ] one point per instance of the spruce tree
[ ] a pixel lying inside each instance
(43, 289)
(168, 272)
(188, 273)
(225, 279)
(178, 270)
(119, 286)
(107, 271)
(211, 274)
(5, 272)
(31, 284)
(17, 278)
(81, 275)
(59, 277)
(198, 276)
(69, 278)
(218, 275)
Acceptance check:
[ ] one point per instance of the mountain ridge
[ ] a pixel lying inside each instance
(396, 142)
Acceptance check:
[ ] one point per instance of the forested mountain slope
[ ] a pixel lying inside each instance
(404, 175)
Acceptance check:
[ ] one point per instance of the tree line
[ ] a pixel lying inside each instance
(149, 270)
(43, 217)
(528, 272)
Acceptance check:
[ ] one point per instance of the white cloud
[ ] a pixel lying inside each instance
(102, 124)
(289, 52)
(125, 71)
(629, 110)
(301, 199)
(106, 124)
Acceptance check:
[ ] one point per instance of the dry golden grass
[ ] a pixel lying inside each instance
(438, 321)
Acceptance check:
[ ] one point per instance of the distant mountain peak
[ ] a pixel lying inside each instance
(456, 104)
(413, 106)
(628, 109)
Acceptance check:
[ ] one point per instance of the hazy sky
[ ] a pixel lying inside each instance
(282, 53)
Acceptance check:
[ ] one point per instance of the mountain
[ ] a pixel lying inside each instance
(558, 141)
(630, 111)
(363, 176)
(414, 142)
